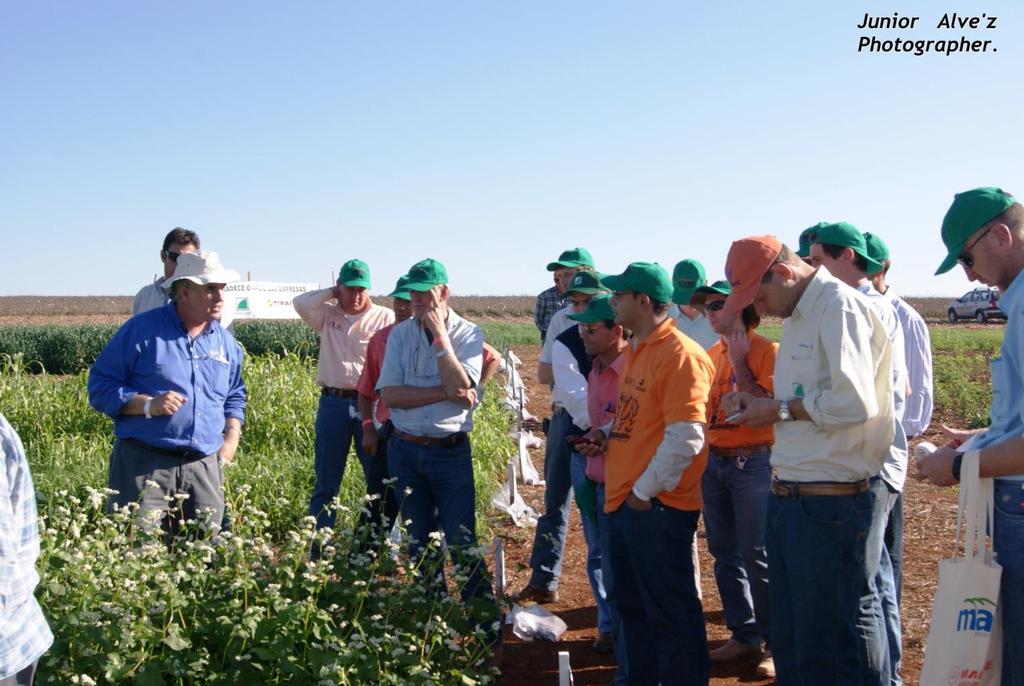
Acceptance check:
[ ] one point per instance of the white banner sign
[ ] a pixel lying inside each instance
(261, 300)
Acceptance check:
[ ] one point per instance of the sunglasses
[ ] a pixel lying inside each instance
(715, 306)
(965, 257)
(171, 255)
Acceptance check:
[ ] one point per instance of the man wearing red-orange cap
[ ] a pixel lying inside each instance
(833, 416)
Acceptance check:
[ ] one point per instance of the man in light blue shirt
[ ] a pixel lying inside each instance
(24, 633)
(917, 412)
(984, 231)
(429, 380)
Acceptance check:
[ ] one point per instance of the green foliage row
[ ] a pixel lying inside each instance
(72, 348)
(250, 607)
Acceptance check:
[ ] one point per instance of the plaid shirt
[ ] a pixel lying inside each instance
(548, 302)
(24, 634)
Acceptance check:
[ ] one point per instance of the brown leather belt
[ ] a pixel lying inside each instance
(348, 393)
(795, 489)
(448, 441)
(730, 453)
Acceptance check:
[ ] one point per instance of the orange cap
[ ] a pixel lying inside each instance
(748, 260)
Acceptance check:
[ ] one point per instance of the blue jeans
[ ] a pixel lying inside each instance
(880, 615)
(735, 493)
(662, 619)
(549, 539)
(437, 489)
(608, 577)
(338, 426)
(894, 543)
(1008, 544)
(595, 574)
(816, 554)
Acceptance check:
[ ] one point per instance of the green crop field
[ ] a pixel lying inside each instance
(249, 606)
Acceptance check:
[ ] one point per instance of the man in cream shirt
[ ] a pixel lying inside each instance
(345, 318)
(834, 419)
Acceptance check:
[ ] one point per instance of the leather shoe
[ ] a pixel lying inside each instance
(605, 644)
(732, 650)
(541, 596)
(766, 667)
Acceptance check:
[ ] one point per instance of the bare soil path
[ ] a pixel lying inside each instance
(930, 515)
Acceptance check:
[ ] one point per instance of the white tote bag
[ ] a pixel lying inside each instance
(965, 640)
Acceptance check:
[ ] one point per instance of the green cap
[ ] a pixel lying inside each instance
(970, 211)
(716, 288)
(576, 257)
(687, 277)
(846, 235)
(401, 288)
(599, 309)
(877, 249)
(806, 238)
(354, 273)
(649, 278)
(586, 282)
(426, 274)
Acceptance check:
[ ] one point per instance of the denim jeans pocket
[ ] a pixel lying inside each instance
(1009, 500)
(828, 511)
(758, 462)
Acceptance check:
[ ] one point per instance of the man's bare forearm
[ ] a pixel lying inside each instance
(745, 381)
(407, 397)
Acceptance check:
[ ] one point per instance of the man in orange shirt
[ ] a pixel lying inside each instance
(655, 458)
(738, 478)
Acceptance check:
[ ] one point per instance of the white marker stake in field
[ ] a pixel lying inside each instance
(512, 492)
(564, 670)
(499, 566)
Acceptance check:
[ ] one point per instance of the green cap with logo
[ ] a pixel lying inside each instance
(846, 235)
(970, 211)
(588, 283)
(649, 278)
(806, 238)
(575, 257)
(687, 277)
(599, 309)
(355, 274)
(877, 249)
(401, 288)
(716, 288)
(426, 274)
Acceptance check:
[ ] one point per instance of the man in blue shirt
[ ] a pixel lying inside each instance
(984, 231)
(429, 382)
(171, 379)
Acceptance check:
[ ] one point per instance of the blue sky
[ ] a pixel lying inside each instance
(293, 136)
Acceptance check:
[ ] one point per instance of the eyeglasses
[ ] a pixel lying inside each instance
(590, 329)
(171, 255)
(965, 257)
(715, 306)
(619, 294)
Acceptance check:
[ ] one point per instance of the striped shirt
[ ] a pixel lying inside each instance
(917, 414)
(24, 633)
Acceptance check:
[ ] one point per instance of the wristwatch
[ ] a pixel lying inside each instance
(784, 414)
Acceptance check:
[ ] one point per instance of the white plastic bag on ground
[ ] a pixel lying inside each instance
(534, 621)
(508, 500)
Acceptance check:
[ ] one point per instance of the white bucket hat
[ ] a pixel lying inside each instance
(201, 267)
